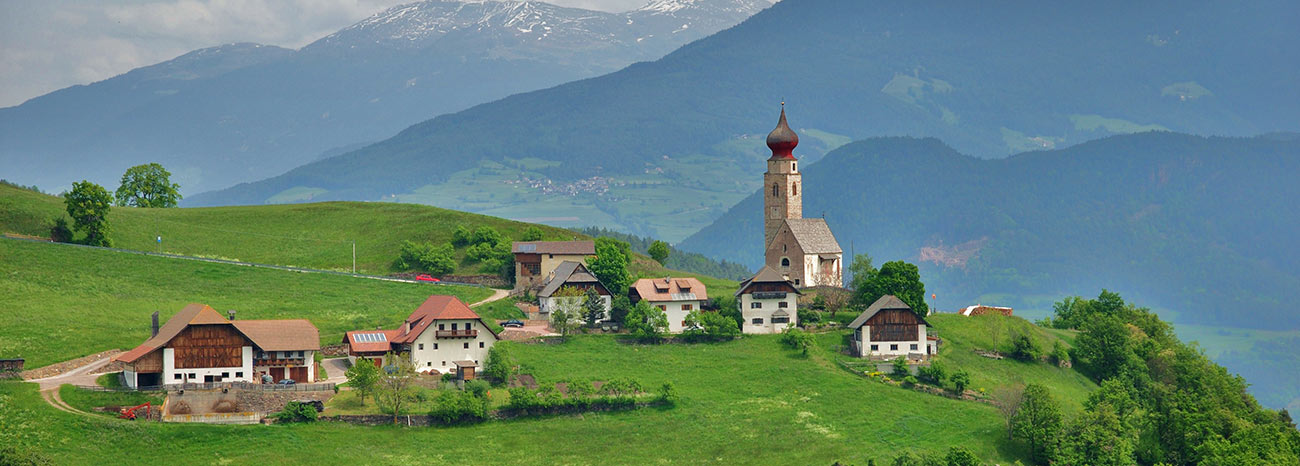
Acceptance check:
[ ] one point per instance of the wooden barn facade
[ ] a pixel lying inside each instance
(888, 329)
(199, 345)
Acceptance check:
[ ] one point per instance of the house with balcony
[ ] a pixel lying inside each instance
(768, 302)
(675, 296)
(889, 329)
(199, 345)
(443, 335)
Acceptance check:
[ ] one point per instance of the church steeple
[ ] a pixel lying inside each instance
(781, 197)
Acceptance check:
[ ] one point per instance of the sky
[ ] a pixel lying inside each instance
(46, 45)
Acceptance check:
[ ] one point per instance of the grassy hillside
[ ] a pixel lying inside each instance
(306, 235)
(750, 399)
(60, 302)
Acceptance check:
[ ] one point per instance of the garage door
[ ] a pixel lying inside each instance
(277, 373)
(298, 374)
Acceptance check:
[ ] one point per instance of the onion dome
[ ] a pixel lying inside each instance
(782, 140)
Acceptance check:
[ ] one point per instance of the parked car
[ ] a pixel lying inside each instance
(512, 323)
(424, 277)
(288, 382)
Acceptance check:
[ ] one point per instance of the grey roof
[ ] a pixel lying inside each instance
(814, 236)
(886, 302)
(766, 274)
(567, 272)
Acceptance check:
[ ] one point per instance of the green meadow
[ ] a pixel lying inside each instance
(59, 302)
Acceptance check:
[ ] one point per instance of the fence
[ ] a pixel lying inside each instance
(300, 387)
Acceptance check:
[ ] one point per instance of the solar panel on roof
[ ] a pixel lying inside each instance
(370, 337)
(527, 247)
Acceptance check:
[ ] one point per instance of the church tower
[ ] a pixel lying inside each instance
(782, 199)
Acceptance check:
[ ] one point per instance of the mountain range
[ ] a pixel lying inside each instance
(241, 112)
(1200, 227)
(663, 148)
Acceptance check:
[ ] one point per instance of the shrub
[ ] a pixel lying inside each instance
(60, 232)
(437, 260)
(478, 387)
(668, 394)
(486, 235)
(459, 407)
(461, 236)
(532, 234)
(796, 338)
(500, 363)
(934, 374)
(1059, 354)
(960, 380)
(960, 456)
(808, 316)
(910, 380)
(900, 367)
(296, 412)
(448, 377)
(1024, 348)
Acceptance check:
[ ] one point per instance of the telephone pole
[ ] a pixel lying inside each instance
(354, 257)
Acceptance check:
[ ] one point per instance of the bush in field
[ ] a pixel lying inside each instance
(500, 363)
(900, 368)
(296, 412)
(797, 339)
(460, 407)
(461, 236)
(486, 235)
(436, 260)
(702, 326)
(934, 374)
(1024, 348)
(532, 234)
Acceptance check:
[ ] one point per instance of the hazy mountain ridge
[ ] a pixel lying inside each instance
(1162, 216)
(266, 115)
(988, 81)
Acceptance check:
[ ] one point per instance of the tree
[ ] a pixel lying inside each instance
(88, 205)
(710, 325)
(647, 323)
(610, 264)
(148, 185)
(1103, 346)
(436, 260)
(659, 251)
(896, 278)
(60, 232)
(1097, 438)
(395, 386)
(500, 363)
(1007, 399)
(593, 307)
(861, 271)
(362, 377)
(532, 234)
(1038, 422)
(619, 308)
(486, 235)
(961, 456)
(564, 316)
(960, 380)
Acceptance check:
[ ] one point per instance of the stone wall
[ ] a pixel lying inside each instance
(494, 281)
(274, 401)
(414, 420)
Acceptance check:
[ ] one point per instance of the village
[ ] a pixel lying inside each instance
(216, 367)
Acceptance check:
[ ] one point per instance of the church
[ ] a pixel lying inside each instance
(802, 250)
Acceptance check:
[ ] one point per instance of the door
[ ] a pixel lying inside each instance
(277, 373)
(298, 374)
(379, 362)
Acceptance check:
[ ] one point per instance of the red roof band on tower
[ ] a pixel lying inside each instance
(782, 140)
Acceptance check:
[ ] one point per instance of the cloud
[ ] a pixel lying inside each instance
(51, 44)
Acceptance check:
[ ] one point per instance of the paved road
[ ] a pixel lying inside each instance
(336, 369)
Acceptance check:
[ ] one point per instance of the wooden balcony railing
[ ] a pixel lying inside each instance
(457, 333)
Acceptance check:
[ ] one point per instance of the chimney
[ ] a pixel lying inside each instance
(154, 327)
(231, 313)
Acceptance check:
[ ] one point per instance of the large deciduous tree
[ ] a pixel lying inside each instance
(1038, 423)
(362, 377)
(148, 185)
(396, 384)
(88, 205)
(659, 251)
(610, 264)
(896, 278)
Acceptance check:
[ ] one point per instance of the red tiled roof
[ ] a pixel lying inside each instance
(372, 343)
(435, 308)
(671, 289)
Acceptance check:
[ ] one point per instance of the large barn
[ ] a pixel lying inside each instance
(888, 329)
(199, 345)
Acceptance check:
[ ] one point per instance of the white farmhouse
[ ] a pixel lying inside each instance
(442, 335)
(768, 302)
(675, 296)
(888, 329)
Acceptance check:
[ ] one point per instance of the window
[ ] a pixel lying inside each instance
(480, 344)
(875, 347)
(300, 354)
(796, 282)
(755, 305)
(783, 305)
(913, 346)
(444, 363)
(774, 188)
(176, 376)
(442, 326)
(784, 247)
(467, 346)
(421, 346)
(893, 347)
(453, 326)
(662, 307)
(687, 307)
(794, 167)
(428, 363)
(785, 262)
(435, 346)
(225, 374)
(780, 320)
(795, 189)
(239, 374)
(757, 321)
